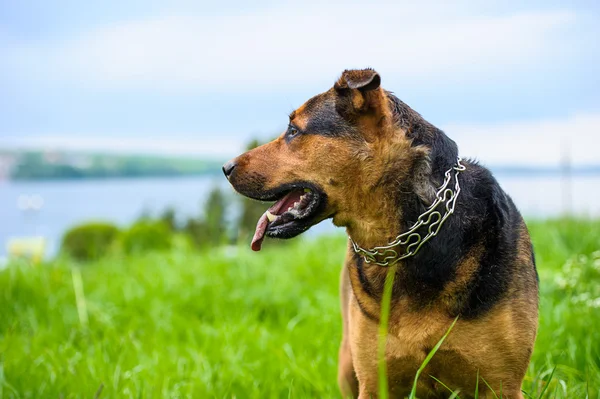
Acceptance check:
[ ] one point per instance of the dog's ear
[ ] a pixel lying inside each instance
(360, 79)
(358, 91)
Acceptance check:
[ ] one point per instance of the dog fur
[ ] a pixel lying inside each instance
(377, 164)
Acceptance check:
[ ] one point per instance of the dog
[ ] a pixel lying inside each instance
(451, 241)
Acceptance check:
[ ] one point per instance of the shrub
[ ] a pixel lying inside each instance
(169, 217)
(89, 241)
(198, 232)
(146, 236)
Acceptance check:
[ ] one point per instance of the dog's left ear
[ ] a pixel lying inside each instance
(358, 91)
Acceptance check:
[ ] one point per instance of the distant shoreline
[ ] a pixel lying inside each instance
(76, 166)
(214, 173)
(58, 165)
(525, 173)
(546, 171)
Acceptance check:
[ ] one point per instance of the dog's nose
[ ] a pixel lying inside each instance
(228, 168)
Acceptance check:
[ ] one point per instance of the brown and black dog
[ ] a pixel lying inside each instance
(359, 155)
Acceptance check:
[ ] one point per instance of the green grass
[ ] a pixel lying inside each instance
(231, 323)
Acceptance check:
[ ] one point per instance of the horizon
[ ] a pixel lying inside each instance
(565, 166)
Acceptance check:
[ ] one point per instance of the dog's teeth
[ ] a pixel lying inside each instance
(270, 216)
(296, 204)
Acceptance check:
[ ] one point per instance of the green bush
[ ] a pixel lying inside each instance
(198, 233)
(89, 241)
(169, 217)
(146, 236)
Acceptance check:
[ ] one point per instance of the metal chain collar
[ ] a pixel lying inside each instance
(411, 240)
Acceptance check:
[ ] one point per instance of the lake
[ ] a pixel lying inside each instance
(64, 203)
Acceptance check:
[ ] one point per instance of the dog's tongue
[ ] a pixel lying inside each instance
(278, 208)
(259, 234)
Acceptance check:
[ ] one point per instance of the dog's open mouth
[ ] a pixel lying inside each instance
(292, 214)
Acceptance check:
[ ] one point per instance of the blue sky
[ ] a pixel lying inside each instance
(510, 82)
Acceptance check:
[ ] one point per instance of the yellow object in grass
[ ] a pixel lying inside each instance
(32, 248)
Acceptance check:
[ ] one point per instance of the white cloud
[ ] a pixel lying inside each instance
(294, 45)
(535, 143)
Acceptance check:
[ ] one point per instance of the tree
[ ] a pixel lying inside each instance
(169, 217)
(210, 228)
(214, 216)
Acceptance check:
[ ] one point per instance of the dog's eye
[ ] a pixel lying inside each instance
(292, 131)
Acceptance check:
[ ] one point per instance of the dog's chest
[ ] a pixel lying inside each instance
(446, 369)
(411, 337)
(408, 345)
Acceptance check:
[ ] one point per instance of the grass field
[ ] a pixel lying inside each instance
(231, 323)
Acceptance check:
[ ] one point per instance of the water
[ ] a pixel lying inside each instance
(121, 201)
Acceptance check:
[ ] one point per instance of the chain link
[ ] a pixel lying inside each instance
(411, 240)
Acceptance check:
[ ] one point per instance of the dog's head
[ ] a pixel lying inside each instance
(340, 148)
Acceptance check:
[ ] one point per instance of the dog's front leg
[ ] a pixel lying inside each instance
(363, 345)
(346, 376)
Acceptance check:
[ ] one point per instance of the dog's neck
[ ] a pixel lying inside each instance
(394, 203)
(385, 213)
(413, 157)
(378, 223)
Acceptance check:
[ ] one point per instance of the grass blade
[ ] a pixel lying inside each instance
(490, 388)
(413, 392)
(526, 394)
(547, 383)
(79, 296)
(383, 331)
(454, 393)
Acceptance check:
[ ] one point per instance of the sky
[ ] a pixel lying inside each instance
(512, 83)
